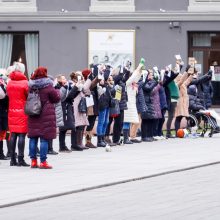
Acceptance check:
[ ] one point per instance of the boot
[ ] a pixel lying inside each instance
(108, 141)
(79, 140)
(64, 149)
(50, 148)
(100, 143)
(13, 161)
(45, 165)
(2, 156)
(126, 137)
(89, 143)
(34, 163)
(21, 162)
(74, 146)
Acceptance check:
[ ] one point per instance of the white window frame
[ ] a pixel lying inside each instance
(204, 5)
(112, 6)
(18, 6)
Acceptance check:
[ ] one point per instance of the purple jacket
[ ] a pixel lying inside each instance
(156, 102)
(44, 125)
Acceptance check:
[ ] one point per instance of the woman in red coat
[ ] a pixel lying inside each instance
(17, 90)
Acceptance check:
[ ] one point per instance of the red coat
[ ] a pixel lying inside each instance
(17, 90)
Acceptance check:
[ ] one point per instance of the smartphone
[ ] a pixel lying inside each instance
(191, 61)
(79, 78)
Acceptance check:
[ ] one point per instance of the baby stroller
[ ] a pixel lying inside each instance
(204, 121)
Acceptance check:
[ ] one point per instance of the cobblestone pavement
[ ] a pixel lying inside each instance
(77, 171)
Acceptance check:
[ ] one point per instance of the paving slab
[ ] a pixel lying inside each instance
(95, 167)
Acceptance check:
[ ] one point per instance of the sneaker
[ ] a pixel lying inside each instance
(34, 163)
(135, 140)
(52, 152)
(170, 136)
(45, 165)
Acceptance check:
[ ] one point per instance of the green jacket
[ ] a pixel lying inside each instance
(174, 90)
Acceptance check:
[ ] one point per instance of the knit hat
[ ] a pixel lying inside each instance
(19, 67)
(10, 69)
(86, 73)
(40, 72)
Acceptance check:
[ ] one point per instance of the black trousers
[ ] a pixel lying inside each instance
(21, 144)
(91, 120)
(117, 128)
(160, 123)
(62, 137)
(147, 128)
(171, 113)
(155, 127)
(178, 122)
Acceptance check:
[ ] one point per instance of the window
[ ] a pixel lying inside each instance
(112, 6)
(19, 46)
(204, 5)
(18, 6)
(205, 47)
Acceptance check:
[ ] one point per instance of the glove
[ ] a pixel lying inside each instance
(210, 73)
(142, 63)
(91, 76)
(57, 86)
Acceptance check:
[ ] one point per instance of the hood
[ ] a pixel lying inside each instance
(40, 83)
(192, 90)
(16, 75)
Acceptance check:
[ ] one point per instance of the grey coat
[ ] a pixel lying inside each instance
(58, 108)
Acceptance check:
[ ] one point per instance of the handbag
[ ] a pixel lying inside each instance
(33, 104)
(114, 111)
(2, 93)
(82, 105)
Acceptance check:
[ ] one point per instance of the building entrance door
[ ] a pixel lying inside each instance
(205, 47)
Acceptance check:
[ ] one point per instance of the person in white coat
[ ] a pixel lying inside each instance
(131, 114)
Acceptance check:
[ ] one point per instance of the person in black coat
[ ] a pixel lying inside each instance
(203, 91)
(169, 77)
(149, 115)
(195, 104)
(120, 80)
(207, 93)
(3, 119)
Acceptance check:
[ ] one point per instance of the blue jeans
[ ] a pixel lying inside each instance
(103, 120)
(33, 148)
(126, 125)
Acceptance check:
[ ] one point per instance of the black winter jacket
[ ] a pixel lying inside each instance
(167, 79)
(120, 80)
(67, 107)
(3, 112)
(195, 103)
(148, 87)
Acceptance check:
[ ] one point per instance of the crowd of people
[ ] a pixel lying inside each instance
(120, 100)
